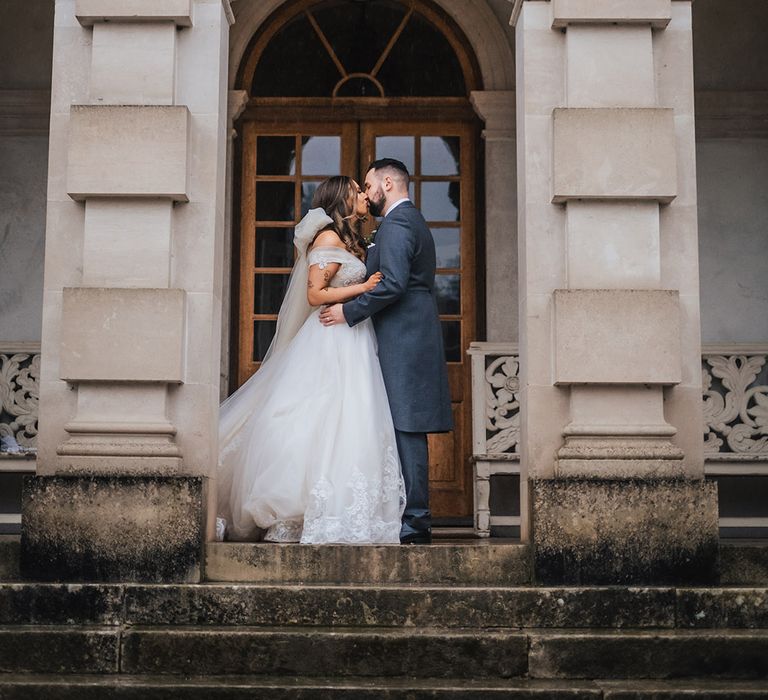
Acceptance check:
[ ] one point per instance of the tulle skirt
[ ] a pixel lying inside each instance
(307, 445)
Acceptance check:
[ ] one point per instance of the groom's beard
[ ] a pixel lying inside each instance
(376, 207)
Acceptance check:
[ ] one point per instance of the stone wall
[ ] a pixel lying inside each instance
(23, 177)
(733, 240)
(26, 37)
(731, 77)
(733, 217)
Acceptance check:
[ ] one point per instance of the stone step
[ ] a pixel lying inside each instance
(657, 654)
(744, 562)
(423, 606)
(440, 653)
(497, 562)
(419, 606)
(316, 651)
(9, 557)
(477, 654)
(461, 562)
(59, 649)
(223, 605)
(125, 687)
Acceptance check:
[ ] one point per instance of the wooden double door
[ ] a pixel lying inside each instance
(282, 165)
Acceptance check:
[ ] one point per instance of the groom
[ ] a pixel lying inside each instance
(404, 313)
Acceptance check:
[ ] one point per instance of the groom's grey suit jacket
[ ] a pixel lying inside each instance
(404, 313)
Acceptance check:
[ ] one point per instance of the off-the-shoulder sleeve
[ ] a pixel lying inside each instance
(322, 255)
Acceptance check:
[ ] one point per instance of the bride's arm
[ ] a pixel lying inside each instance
(320, 292)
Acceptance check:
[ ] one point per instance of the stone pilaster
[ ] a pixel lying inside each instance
(609, 340)
(237, 102)
(497, 110)
(133, 281)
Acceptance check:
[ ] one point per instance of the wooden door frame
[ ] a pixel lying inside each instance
(453, 119)
(243, 274)
(287, 113)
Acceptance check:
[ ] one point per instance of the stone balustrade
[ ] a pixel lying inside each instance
(735, 396)
(19, 394)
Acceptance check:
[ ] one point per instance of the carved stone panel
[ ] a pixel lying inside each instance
(19, 394)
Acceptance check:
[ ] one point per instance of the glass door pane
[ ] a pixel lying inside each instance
(282, 167)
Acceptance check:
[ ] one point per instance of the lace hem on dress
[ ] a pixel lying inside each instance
(284, 531)
(360, 522)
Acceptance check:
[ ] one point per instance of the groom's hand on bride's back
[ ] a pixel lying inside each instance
(334, 313)
(331, 315)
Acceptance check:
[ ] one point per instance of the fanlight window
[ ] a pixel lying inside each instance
(359, 48)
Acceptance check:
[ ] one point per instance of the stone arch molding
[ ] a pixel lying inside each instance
(476, 19)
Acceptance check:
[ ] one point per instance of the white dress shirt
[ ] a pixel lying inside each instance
(396, 204)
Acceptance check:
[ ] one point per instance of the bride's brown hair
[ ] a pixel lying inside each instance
(336, 196)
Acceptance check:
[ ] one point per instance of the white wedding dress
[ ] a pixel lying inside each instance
(306, 446)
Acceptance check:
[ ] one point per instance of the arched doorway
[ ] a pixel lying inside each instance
(332, 85)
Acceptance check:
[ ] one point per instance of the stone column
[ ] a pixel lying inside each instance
(609, 341)
(237, 102)
(133, 283)
(497, 109)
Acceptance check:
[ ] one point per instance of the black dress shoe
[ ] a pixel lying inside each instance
(417, 538)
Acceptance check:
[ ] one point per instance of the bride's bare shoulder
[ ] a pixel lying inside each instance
(328, 237)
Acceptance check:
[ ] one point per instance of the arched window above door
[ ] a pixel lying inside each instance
(360, 48)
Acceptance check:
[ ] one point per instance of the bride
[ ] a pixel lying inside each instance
(307, 448)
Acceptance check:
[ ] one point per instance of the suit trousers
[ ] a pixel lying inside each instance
(414, 460)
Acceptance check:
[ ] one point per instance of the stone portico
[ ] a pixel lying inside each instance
(609, 304)
(591, 250)
(129, 389)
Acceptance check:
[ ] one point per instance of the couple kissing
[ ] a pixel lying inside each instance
(327, 442)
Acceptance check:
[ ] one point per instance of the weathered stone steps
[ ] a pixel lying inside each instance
(439, 653)
(390, 652)
(428, 641)
(653, 654)
(382, 606)
(461, 562)
(744, 562)
(105, 687)
(336, 652)
(59, 649)
(465, 562)
(9, 557)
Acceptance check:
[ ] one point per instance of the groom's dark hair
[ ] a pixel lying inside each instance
(391, 164)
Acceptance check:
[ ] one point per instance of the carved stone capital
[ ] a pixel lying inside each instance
(516, 8)
(228, 11)
(238, 99)
(497, 109)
